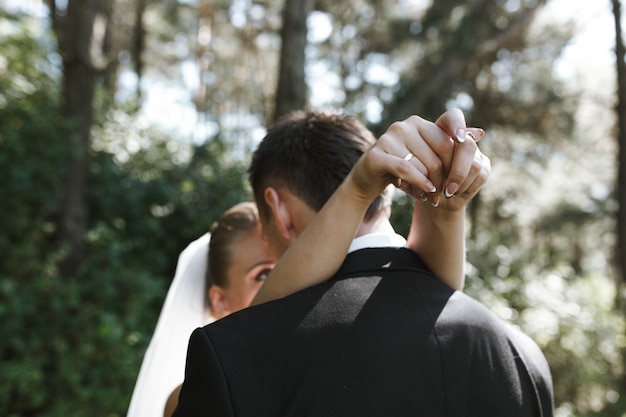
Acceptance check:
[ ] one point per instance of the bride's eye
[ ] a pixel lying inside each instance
(262, 276)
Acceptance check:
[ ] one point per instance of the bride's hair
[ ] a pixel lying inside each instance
(240, 219)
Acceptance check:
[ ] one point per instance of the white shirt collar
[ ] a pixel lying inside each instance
(377, 240)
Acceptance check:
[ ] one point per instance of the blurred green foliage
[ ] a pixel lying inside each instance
(73, 347)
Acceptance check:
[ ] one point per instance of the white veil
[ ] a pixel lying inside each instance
(184, 309)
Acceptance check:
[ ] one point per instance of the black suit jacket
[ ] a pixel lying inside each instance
(384, 337)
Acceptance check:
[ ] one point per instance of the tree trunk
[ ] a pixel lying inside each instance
(291, 93)
(621, 164)
(139, 42)
(621, 140)
(82, 35)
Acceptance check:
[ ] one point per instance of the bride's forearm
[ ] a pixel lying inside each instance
(438, 236)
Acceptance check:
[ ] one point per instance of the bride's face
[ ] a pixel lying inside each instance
(251, 263)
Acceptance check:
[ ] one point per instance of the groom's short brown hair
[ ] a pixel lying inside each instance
(310, 153)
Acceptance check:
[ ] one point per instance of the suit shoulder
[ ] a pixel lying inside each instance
(465, 318)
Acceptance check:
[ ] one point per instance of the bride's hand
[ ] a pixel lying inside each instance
(433, 162)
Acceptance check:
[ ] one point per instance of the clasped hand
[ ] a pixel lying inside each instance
(438, 163)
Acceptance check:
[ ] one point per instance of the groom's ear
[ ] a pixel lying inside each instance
(280, 211)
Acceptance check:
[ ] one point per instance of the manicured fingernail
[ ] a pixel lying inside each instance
(460, 135)
(430, 187)
(451, 189)
(435, 202)
(422, 197)
(475, 136)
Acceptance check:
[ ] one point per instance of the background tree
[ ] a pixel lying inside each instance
(83, 33)
(291, 92)
(620, 55)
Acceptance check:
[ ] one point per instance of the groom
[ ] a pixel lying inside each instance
(383, 337)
